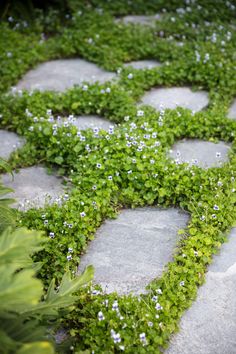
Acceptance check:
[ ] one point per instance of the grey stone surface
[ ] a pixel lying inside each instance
(85, 122)
(142, 20)
(132, 250)
(8, 143)
(32, 186)
(209, 326)
(143, 64)
(59, 75)
(232, 110)
(201, 153)
(176, 96)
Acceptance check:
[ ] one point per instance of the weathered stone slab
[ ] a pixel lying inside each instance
(132, 250)
(209, 326)
(59, 75)
(232, 110)
(200, 153)
(162, 98)
(143, 64)
(142, 20)
(8, 143)
(32, 186)
(85, 122)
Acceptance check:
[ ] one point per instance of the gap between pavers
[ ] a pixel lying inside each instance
(209, 325)
(133, 249)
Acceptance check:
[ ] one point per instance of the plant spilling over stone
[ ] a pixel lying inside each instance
(129, 164)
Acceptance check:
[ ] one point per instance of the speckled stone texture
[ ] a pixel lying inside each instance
(143, 64)
(139, 19)
(133, 249)
(201, 153)
(209, 326)
(162, 98)
(232, 110)
(8, 143)
(32, 186)
(85, 122)
(59, 75)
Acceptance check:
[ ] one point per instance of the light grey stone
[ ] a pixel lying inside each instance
(32, 187)
(59, 75)
(133, 249)
(201, 153)
(85, 122)
(173, 97)
(139, 19)
(232, 110)
(8, 143)
(143, 64)
(209, 326)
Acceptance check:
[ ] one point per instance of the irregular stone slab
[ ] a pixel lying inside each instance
(85, 122)
(142, 20)
(59, 75)
(232, 110)
(209, 326)
(32, 187)
(132, 250)
(201, 153)
(143, 64)
(8, 143)
(176, 96)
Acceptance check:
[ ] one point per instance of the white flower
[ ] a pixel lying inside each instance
(130, 76)
(108, 90)
(82, 214)
(159, 291)
(218, 154)
(109, 178)
(100, 316)
(51, 235)
(115, 306)
(99, 165)
(85, 88)
(140, 113)
(158, 307)
(215, 207)
(182, 283)
(69, 257)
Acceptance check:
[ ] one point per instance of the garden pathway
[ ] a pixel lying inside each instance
(133, 249)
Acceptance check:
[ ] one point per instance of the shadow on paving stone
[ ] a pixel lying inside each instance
(9, 142)
(59, 75)
(143, 64)
(33, 187)
(232, 110)
(132, 250)
(161, 98)
(209, 326)
(200, 153)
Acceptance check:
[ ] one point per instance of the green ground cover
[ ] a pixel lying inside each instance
(97, 166)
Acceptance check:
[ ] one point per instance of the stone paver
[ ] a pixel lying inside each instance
(59, 75)
(232, 110)
(32, 186)
(85, 122)
(139, 19)
(129, 252)
(176, 96)
(209, 326)
(143, 64)
(8, 143)
(201, 153)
